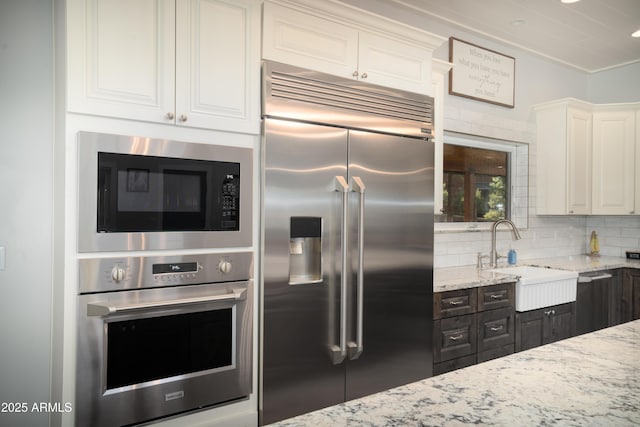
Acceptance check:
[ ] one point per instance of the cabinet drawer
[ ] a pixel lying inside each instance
(454, 337)
(496, 328)
(454, 303)
(496, 296)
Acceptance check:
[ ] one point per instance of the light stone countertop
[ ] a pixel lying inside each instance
(454, 278)
(588, 380)
(584, 263)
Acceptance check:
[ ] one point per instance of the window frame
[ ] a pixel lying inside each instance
(518, 153)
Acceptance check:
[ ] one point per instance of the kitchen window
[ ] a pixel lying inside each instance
(475, 184)
(484, 180)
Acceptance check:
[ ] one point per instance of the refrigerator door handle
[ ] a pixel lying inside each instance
(355, 348)
(337, 353)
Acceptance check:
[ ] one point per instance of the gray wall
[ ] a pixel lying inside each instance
(620, 84)
(26, 191)
(537, 79)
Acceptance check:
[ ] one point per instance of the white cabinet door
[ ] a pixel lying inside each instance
(637, 179)
(121, 58)
(306, 41)
(551, 161)
(439, 69)
(614, 162)
(579, 141)
(217, 64)
(563, 172)
(391, 63)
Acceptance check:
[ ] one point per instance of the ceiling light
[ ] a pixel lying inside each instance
(569, 1)
(635, 34)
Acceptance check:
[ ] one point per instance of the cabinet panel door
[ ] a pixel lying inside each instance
(637, 180)
(592, 306)
(613, 163)
(551, 174)
(306, 41)
(394, 64)
(579, 141)
(529, 329)
(559, 322)
(120, 58)
(217, 64)
(630, 295)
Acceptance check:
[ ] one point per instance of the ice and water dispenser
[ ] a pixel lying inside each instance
(305, 250)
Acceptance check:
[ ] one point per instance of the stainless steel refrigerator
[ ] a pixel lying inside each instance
(347, 232)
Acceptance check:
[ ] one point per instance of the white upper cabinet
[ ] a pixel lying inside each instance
(579, 149)
(343, 41)
(392, 63)
(184, 62)
(439, 70)
(614, 162)
(563, 172)
(121, 57)
(298, 39)
(588, 158)
(637, 177)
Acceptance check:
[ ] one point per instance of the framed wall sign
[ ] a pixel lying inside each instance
(481, 74)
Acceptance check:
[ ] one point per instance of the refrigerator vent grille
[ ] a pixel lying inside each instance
(355, 97)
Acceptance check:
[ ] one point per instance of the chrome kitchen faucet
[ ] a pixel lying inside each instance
(493, 255)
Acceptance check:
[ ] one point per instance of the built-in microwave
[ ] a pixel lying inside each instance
(137, 193)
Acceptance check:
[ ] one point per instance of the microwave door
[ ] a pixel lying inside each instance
(151, 194)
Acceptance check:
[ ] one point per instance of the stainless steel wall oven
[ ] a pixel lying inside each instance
(141, 193)
(159, 336)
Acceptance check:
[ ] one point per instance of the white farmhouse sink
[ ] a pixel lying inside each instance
(539, 287)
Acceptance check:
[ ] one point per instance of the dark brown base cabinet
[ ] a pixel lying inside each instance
(545, 325)
(478, 324)
(472, 326)
(599, 302)
(630, 304)
(608, 301)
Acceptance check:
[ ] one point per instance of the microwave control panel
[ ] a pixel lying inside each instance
(230, 201)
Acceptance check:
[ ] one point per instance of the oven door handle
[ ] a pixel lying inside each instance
(106, 309)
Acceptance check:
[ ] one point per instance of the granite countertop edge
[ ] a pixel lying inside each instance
(465, 277)
(591, 379)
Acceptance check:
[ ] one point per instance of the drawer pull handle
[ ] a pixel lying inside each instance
(456, 338)
(496, 328)
(455, 302)
(496, 296)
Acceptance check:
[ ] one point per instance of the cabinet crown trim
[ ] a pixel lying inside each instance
(364, 20)
(578, 103)
(438, 66)
(564, 102)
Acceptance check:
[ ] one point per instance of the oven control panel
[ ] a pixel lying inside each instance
(110, 274)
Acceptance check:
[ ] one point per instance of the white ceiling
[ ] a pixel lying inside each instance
(591, 35)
